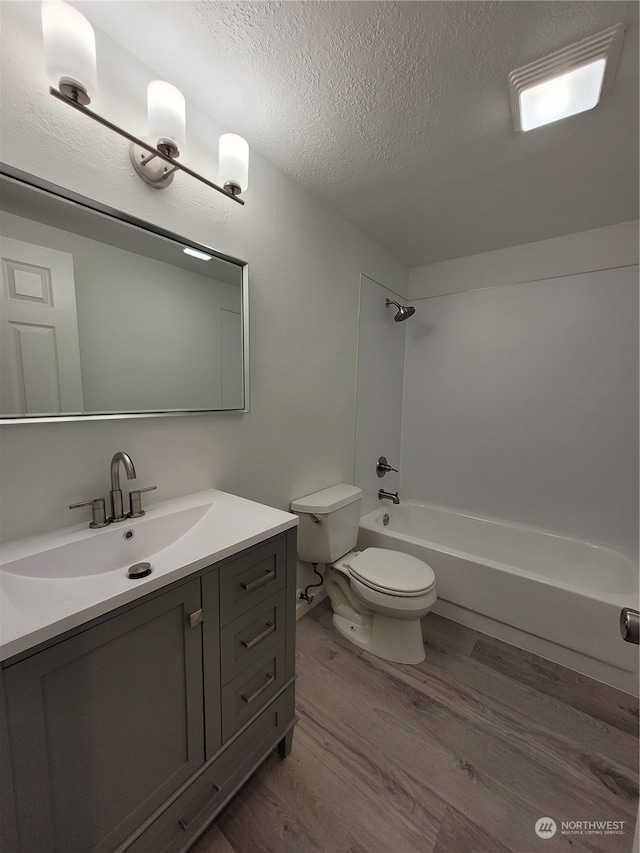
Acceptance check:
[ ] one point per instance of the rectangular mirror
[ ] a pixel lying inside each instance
(103, 315)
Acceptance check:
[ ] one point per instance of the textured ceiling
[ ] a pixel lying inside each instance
(397, 114)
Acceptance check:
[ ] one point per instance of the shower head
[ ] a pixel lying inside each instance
(403, 312)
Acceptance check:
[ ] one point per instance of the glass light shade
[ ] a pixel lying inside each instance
(562, 96)
(166, 114)
(233, 161)
(69, 47)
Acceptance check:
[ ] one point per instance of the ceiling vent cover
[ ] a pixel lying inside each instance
(567, 82)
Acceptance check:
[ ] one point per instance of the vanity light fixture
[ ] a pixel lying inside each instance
(233, 162)
(70, 51)
(567, 82)
(195, 253)
(70, 58)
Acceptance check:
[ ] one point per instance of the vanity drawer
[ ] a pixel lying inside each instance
(251, 578)
(252, 635)
(188, 816)
(252, 689)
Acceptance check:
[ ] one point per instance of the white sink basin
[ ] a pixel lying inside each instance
(57, 581)
(111, 548)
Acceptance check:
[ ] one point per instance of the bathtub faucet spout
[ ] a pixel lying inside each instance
(392, 496)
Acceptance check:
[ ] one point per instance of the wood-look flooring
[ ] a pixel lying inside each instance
(461, 754)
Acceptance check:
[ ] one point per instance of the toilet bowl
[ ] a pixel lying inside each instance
(378, 596)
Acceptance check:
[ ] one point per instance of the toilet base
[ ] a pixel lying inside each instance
(397, 640)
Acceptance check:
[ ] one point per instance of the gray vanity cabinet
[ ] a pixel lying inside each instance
(105, 725)
(131, 733)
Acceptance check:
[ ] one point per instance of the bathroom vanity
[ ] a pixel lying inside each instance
(131, 729)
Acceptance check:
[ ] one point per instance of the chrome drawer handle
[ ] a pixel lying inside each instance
(249, 644)
(196, 618)
(270, 680)
(249, 587)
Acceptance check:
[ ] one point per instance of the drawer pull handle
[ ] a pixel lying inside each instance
(186, 823)
(249, 587)
(270, 680)
(249, 644)
(196, 618)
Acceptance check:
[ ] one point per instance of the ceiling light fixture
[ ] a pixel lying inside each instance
(567, 82)
(70, 57)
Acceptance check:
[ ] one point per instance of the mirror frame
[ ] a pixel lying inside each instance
(112, 212)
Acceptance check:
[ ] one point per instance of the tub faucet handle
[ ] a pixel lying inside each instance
(383, 467)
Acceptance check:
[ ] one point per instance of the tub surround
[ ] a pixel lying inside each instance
(521, 403)
(379, 392)
(517, 402)
(557, 597)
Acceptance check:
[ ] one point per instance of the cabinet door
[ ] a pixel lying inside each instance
(105, 725)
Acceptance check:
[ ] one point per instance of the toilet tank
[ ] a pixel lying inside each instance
(329, 522)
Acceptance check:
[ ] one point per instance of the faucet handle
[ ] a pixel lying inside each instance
(382, 467)
(135, 502)
(97, 510)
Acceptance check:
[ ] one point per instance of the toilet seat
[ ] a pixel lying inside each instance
(392, 572)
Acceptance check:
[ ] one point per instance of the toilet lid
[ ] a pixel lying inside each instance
(392, 572)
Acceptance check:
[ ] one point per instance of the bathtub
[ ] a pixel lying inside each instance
(555, 596)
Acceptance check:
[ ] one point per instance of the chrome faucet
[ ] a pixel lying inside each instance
(99, 515)
(117, 513)
(392, 496)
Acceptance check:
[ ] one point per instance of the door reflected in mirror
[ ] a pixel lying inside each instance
(103, 315)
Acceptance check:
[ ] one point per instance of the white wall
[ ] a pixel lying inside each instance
(381, 344)
(304, 272)
(521, 402)
(599, 249)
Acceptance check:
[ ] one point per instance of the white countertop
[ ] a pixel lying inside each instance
(57, 581)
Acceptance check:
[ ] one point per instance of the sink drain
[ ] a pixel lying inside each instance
(139, 570)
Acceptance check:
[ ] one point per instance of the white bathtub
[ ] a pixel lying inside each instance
(557, 597)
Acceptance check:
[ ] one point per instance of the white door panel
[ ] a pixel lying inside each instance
(39, 346)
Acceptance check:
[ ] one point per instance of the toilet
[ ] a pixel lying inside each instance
(378, 596)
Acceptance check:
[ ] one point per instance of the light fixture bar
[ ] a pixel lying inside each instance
(134, 139)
